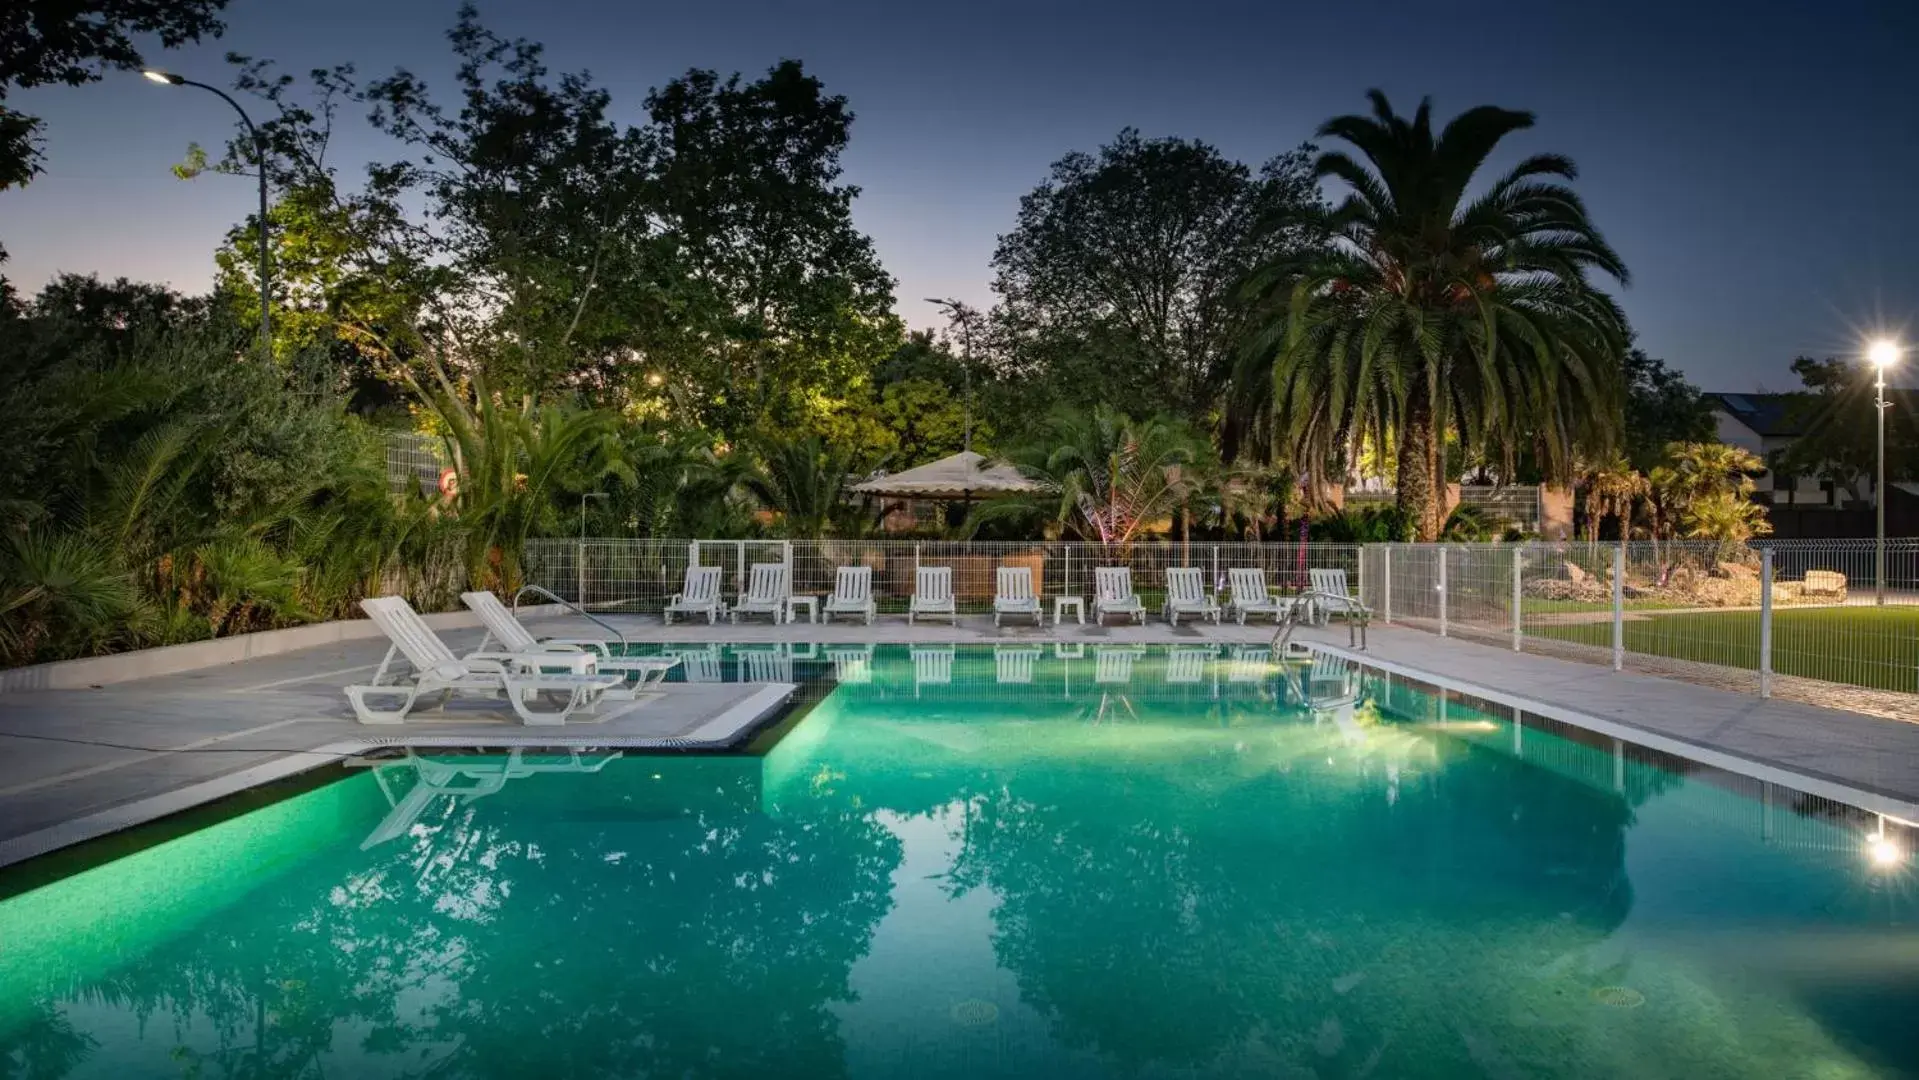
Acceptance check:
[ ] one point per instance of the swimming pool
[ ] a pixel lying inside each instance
(1029, 861)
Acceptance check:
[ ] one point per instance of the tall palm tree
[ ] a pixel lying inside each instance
(1437, 310)
(807, 483)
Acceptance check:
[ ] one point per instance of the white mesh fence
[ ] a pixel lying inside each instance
(639, 576)
(1803, 617)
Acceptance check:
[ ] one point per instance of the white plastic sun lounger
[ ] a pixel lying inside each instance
(1013, 595)
(1249, 595)
(766, 592)
(1113, 594)
(439, 674)
(932, 595)
(699, 595)
(1186, 595)
(852, 594)
(1331, 596)
(503, 626)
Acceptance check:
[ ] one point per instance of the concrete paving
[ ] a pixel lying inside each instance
(78, 763)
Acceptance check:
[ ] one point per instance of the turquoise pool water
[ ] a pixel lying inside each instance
(967, 863)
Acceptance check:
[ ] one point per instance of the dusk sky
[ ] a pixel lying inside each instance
(1755, 163)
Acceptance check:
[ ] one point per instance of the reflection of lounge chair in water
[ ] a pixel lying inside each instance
(1331, 692)
(1114, 667)
(1188, 664)
(1013, 664)
(772, 663)
(460, 779)
(932, 665)
(700, 664)
(1250, 664)
(851, 663)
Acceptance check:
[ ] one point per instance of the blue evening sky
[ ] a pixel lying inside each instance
(1754, 162)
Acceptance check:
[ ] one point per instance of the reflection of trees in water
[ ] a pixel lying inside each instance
(1140, 908)
(457, 949)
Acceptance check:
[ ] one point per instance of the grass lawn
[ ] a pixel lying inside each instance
(1864, 646)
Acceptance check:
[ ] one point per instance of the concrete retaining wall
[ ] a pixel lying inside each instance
(172, 659)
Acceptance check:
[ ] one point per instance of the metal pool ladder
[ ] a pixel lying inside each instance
(1356, 624)
(539, 590)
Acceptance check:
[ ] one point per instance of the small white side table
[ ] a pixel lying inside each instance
(810, 603)
(1077, 603)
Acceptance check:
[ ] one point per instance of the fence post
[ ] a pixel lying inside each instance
(1386, 582)
(579, 568)
(1215, 568)
(1765, 622)
(1517, 605)
(1619, 607)
(1359, 559)
(1442, 590)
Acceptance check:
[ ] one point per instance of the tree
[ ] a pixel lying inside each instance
(1106, 476)
(1839, 439)
(1612, 486)
(1661, 408)
(75, 42)
(775, 299)
(1436, 311)
(806, 483)
(1118, 281)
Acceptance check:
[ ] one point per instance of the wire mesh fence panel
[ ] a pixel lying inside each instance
(1688, 609)
(639, 575)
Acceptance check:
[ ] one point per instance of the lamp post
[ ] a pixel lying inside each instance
(958, 312)
(1883, 353)
(260, 156)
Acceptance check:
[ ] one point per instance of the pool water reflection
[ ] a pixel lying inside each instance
(1000, 862)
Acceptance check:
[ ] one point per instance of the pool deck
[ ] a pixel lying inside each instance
(75, 764)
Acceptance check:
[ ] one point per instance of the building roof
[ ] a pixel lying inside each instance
(965, 473)
(1767, 415)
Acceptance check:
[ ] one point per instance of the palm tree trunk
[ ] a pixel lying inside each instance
(1415, 472)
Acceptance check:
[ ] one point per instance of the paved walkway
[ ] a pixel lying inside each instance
(80, 763)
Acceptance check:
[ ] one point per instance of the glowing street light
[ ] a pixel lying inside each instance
(167, 78)
(1883, 353)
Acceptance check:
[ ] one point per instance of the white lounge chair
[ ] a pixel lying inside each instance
(932, 666)
(1331, 596)
(1249, 595)
(852, 594)
(1113, 594)
(699, 595)
(932, 594)
(503, 626)
(1013, 595)
(440, 674)
(1186, 595)
(766, 592)
(1013, 664)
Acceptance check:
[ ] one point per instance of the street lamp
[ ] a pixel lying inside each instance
(165, 78)
(1883, 353)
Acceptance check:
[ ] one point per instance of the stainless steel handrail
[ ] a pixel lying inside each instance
(540, 590)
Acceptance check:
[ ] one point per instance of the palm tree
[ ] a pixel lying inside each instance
(1611, 489)
(1434, 311)
(806, 482)
(1108, 476)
